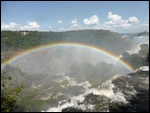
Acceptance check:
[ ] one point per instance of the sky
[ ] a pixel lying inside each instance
(116, 16)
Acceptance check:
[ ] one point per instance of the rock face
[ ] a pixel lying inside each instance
(130, 93)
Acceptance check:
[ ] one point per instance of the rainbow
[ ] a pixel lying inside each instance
(70, 44)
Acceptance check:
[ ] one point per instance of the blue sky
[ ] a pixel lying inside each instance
(116, 16)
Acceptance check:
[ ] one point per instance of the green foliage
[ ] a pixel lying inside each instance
(16, 40)
(9, 93)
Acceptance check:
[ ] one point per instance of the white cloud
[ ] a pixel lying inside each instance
(92, 20)
(15, 26)
(31, 26)
(114, 17)
(133, 19)
(59, 22)
(126, 25)
(61, 29)
(5, 26)
(147, 22)
(110, 23)
(144, 26)
(49, 26)
(74, 23)
(116, 22)
(10, 26)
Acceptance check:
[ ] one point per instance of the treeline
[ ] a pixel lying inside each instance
(18, 40)
(145, 33)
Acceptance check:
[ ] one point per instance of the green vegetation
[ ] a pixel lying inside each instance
(15, 98)
(19, 40)
(9, 93)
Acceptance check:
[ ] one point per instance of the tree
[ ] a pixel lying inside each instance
(9, 93)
